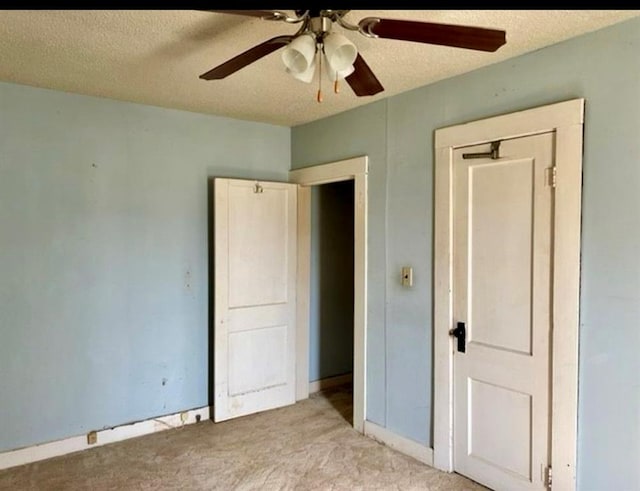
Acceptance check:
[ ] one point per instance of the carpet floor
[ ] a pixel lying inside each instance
(307, 446)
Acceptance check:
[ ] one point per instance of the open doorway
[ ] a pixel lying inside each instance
(353, 171)
(261, 234)
(332, 294)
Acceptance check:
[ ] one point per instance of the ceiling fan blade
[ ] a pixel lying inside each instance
(362, 80)
(246, 58)
(250, 13)
(469, 37)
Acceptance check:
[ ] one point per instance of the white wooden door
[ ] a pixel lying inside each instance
(502, 293)
(255, 296)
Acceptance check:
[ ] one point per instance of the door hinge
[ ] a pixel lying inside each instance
(551, 176)
(549, 477)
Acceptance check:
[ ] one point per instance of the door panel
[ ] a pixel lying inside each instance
(259, 241)
(255, 296)
(500, 422)
(500, 231)
(502, 292)
(267, 350)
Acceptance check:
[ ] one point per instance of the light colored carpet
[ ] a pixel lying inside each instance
(307, 446)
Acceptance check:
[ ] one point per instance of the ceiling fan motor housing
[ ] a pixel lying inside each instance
(320, 26)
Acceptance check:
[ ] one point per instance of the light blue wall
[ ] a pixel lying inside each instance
(103, 256)
(397, 134)
(331, 302)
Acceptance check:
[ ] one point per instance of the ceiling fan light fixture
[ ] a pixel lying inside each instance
(339, 51)
(338, 75)
(299, 55)
(306, 76)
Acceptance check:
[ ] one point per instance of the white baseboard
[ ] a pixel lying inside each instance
(43, 451)
(401, 444)
(325, 383)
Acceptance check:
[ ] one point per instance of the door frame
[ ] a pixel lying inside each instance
(566, 120)
(344, 170)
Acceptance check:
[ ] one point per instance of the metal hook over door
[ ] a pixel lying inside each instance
(493, 153)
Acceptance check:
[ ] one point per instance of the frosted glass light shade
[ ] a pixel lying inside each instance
(307, 75)
(340, 52)
(334, 75)
(298, 56)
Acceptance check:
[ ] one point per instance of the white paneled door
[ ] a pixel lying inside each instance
(502, 308)
(255, 296)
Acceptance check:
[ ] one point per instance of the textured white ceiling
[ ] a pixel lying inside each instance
(155, 56)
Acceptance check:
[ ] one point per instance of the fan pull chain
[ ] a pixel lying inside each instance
(336, 86)
(319, 96)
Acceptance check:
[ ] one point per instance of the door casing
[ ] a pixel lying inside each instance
(350, 169)
(566, 120)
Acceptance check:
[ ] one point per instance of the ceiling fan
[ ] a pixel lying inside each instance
(316, 40)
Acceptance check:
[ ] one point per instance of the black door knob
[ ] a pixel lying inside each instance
(460, 332)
